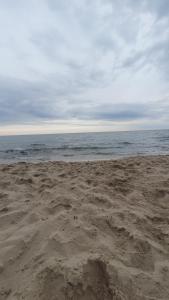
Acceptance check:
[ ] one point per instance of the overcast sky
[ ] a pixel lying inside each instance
(83, 65)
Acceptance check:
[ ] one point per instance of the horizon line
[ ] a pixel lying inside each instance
(80, 132)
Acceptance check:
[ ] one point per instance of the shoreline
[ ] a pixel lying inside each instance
(85, 230)
(85, 161)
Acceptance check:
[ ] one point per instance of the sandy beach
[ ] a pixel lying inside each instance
(85, 230)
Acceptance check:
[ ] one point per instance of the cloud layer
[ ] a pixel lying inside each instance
(103, 60)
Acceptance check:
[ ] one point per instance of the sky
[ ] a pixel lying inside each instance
(88, 65)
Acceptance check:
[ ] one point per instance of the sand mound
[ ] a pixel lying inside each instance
(85, 231)
(90, 281)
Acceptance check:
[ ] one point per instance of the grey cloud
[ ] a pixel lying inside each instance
(160, 8)
(21, 100)
(157, 7)
(115, 113)
(155, 56)
(120, 112)
(25, 102)
(130, 112)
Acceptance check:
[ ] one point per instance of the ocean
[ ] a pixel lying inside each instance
(83, 146)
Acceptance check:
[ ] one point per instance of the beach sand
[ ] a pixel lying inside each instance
(85, 230)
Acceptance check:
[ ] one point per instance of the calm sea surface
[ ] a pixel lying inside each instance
(83, 146)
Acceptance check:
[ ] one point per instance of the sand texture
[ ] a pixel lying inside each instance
(85, 231)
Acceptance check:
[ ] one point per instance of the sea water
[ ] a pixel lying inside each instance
(83, 146)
